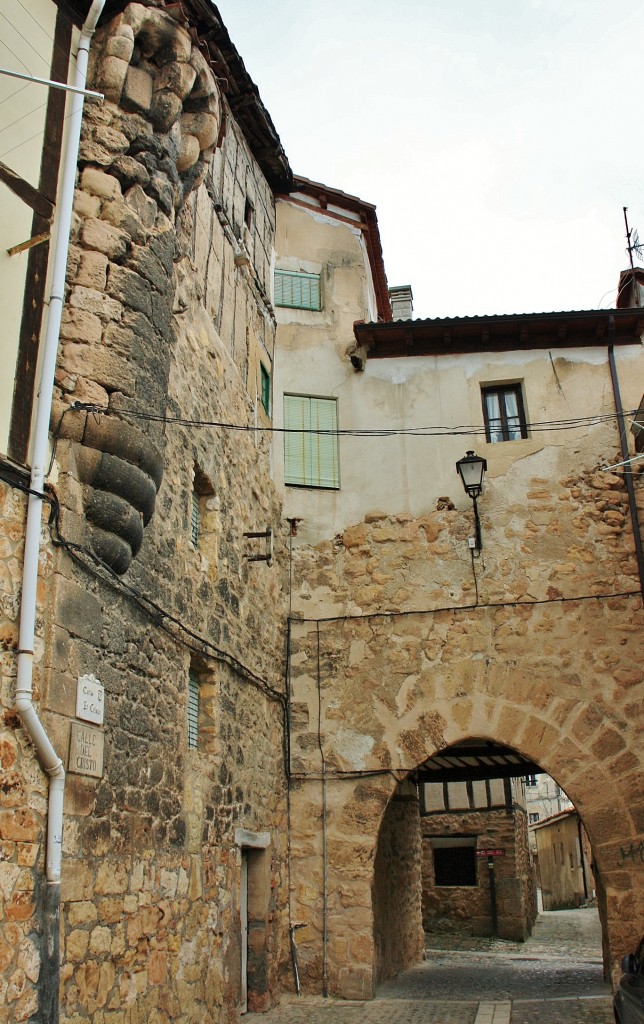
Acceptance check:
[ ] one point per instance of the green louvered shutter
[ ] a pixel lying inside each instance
(297, 290)
(193, 710)
(311, 442)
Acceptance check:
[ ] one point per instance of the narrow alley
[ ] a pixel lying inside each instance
(553, 978)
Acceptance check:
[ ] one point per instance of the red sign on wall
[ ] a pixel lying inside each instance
(490, 853)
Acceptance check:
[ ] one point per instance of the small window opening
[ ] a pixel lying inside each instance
(249, 214)
(455, 865)
(194, 518)
(193, 709)
(266, 389)
(201, 490)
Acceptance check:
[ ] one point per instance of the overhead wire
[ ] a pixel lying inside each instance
(91, 563)
(459, 430)
(56, 46)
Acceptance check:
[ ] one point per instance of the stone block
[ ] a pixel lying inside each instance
(130, 289)
(19, 825)
(107, 369)
(92, 270)
(113, 71)
(99, 183)
(80, 610)
(130, 171)
(136, 96)
(120, 46)
(105, 238)
(164, 110)
(80, 325)
(188, 155)
(121, 216)
(144, 207)
(204, 126)
(85, 206)
(76, 945)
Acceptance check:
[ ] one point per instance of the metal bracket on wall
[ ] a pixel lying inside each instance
(268, 553)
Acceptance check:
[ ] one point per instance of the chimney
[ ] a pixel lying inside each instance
(630, 293)
(401, 302)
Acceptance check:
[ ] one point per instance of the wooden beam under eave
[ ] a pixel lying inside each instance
(29, 195)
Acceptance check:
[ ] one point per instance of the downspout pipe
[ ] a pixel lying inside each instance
(628, 475)
(23, 704)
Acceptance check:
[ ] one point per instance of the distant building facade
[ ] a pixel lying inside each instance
(564, 861)
(543, 798)
(476, 871)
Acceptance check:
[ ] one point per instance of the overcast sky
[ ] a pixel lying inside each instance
(499, 141)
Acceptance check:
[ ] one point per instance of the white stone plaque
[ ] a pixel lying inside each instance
(86, 751)
(90, 700)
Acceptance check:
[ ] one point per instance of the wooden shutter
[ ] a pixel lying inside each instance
(297, 290)
(193, 710)
(311, 456)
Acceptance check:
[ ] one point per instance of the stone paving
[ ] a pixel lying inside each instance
(554, 978)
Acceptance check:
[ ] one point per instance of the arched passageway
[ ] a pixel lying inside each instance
(492, 686)
(455, 858)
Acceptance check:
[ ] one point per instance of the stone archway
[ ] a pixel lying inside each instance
(379, 697)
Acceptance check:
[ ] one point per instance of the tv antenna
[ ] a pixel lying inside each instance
(633, 244)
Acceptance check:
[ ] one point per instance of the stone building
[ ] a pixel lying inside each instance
(476, 873)
(158, 679)
(564, 859)
(543, 797)
(208, 301)
(408, 635)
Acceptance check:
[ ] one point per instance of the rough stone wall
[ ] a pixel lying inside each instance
(166, 313)
(416, 648)
(23, 790)
(468, 908)
(397, 919)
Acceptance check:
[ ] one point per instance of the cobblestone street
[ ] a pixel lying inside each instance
(554, 978)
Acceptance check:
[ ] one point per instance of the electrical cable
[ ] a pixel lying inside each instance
(45, 60)
(542, 426)
(403, 612)
(187, 637)
(61, 49)
(6, 128)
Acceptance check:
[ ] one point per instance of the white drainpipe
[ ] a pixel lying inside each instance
(49, 759)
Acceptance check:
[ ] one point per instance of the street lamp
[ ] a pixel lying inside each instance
(471, 470)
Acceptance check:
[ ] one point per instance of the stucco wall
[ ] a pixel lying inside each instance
(26, 47)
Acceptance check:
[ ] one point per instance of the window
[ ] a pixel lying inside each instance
(297, 290)
(249, 214)
(533, 817)
(311, 456)
(503, 413)
(266, 388)
(194, 518)
(193, 710)
(202, 491)
(454, 861)
(531, 780)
